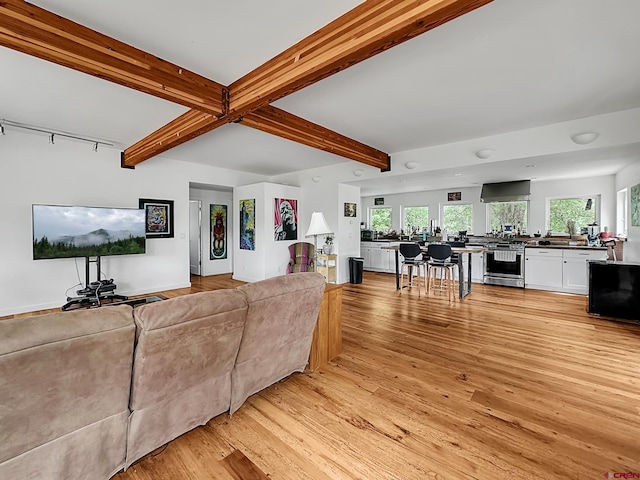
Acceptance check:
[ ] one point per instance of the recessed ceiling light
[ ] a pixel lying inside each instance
(530, 166)
(584, 138)
(457, 175)
(484, 153)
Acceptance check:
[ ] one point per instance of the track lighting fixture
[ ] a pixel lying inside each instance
(52, 133)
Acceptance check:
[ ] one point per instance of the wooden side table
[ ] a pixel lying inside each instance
(326, 265)
(327, 336)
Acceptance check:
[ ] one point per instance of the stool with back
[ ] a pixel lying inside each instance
(412, 258)
(440, 262)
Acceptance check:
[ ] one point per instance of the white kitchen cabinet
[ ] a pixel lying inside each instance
(379, 260)
(561, 270)
(543, 268)
(477, 267)
(365, 253)
(376, 258)
(575, 278)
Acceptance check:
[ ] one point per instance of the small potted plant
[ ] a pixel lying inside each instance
(328, 245)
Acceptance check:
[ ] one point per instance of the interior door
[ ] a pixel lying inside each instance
(195, 240)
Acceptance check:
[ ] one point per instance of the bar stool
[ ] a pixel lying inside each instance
(440, 262)
(412, 257)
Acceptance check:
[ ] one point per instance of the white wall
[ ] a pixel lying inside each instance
(603, 186)
(70, 173)
(434, 199)
(348, 231)
(270, 257)
(540, 192)
(627, 178)
(208, 198)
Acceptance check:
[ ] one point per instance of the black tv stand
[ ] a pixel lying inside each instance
(93, 293)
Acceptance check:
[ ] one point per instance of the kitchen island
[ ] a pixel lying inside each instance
(464, 280)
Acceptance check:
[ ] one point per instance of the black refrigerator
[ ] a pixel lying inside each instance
(614, 289)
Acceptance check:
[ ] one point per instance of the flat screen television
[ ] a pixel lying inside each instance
(614, 289)
(67, 231)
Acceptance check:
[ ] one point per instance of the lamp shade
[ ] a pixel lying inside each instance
(318, 225)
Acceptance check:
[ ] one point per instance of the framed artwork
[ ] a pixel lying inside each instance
(378, 201)
(635, 205)
(454, 196)
(218, 222)
(349, 209)
(285, 219)
(158, 215)
(248, 224)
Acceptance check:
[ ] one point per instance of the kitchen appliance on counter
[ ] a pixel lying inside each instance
(504, 264)
(593, 235)
(368, 235)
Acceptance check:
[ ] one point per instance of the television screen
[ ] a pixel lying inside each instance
(63, 232)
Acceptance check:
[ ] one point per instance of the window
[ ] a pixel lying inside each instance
(621, 213)
(415, 219)
(456, 218)
(507, 213)
(381, 219)
(581, 210)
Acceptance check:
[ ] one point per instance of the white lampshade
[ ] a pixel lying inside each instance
(318, 225)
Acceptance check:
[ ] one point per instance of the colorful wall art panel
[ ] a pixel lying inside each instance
(218, 219)
(248, 224)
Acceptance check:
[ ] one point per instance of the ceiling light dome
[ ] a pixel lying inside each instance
(584, 138)
(411, 165)
(484, 153)
(358, 172)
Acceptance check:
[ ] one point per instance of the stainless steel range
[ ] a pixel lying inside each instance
(504, 264)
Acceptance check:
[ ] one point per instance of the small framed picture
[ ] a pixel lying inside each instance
(378, 201)
(454, 196)
(158, 215)
(350, 209)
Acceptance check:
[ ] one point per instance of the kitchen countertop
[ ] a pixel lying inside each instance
(567, 247)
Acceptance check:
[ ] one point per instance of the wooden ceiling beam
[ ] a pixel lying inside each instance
(186, 127)
(370, 28)
(32, 30)
(286, 125)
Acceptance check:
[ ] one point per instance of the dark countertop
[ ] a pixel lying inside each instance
(567, 247)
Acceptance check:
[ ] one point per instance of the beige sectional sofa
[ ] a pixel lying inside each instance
(86, 393)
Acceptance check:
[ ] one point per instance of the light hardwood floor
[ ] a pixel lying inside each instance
(506, 384)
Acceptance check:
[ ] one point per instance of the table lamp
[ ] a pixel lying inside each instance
(318, 226)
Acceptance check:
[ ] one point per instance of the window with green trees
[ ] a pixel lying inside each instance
(507, 213)
(415, 219)
(381, 219)
(456, 218)
(582, 210)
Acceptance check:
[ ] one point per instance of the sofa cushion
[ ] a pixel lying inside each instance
(182, 370)
(277, 337)
(60, 373)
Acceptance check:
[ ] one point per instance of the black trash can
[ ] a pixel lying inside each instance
(356, 265)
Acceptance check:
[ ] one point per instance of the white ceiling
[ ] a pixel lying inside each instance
(508, 66)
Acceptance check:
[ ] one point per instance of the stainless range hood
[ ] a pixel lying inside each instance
(506, 191)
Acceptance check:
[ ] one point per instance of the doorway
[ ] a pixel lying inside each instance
(195, 239)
